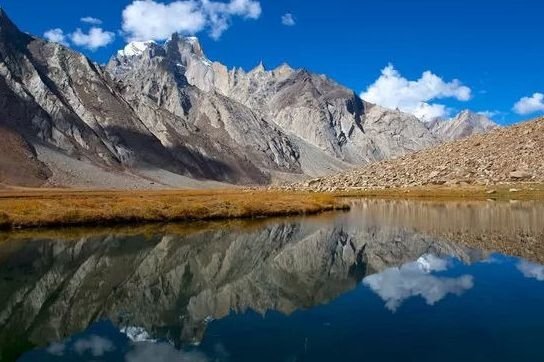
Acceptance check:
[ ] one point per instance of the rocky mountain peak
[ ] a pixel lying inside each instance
(181, 48)
(259, 68)
(9, 32)
(475, 118)
(464, 124)
(136, 48)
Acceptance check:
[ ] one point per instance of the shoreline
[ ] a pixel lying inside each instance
(51, 208)
(511, 191)
(56, 208)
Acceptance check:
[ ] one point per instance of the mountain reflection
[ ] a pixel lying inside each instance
(165, 283)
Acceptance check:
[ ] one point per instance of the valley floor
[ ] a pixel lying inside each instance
(24, 208)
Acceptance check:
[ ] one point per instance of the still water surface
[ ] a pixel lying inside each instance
(387, 281)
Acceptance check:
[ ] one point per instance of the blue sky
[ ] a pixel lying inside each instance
(495, 48)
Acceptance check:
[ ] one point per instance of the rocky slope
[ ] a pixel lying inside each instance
(512, 154)
(162, 115)
(18, 162)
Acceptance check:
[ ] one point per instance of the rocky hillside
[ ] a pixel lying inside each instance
(505, 155)
(164, 115)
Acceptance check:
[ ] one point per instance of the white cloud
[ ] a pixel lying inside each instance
(392, 90)
(531, 270)
(152, 20)
(91, 20)
(288, 20)
(94, 39)
(56, 36)
(395, 285)
(489, 114)
(528, 105)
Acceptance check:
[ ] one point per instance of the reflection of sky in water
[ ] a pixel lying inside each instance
(395, 285)
(482, 319)
(531, 270)
(103, 342)
(283, 290)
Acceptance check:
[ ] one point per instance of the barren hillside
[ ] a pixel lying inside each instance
(513, 154)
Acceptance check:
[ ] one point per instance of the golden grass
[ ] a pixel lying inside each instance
(21, 208)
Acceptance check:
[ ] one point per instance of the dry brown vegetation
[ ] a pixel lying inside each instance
(21, 208)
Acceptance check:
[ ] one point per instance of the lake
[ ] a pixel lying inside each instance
(386, 281)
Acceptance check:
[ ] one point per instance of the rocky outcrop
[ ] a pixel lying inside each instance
(504, 155)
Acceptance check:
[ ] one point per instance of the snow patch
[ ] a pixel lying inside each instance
(135, 48)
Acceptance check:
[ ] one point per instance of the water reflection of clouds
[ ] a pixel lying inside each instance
(395, 285)
(531, 270)
(137, 351)
(95, 345)
(162, 352)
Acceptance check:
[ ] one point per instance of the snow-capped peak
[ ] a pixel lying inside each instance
(135, 48)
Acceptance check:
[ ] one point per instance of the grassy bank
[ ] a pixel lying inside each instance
(45, 208)
(513, 191)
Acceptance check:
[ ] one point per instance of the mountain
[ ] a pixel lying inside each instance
(503, 155)
(164, 115)
(310, 107)
(463, 125)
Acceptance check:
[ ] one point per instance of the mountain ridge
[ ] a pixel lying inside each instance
(159, 115)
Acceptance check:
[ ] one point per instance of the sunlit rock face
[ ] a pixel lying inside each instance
(320, 117)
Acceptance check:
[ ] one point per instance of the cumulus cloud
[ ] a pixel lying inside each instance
(528, 105)
(489, 114)
(56, 36)
(288, 20)
(395, 285)
(91, 20)
(94, 39)
(153, 20)
(531, 270)
(392, 90)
